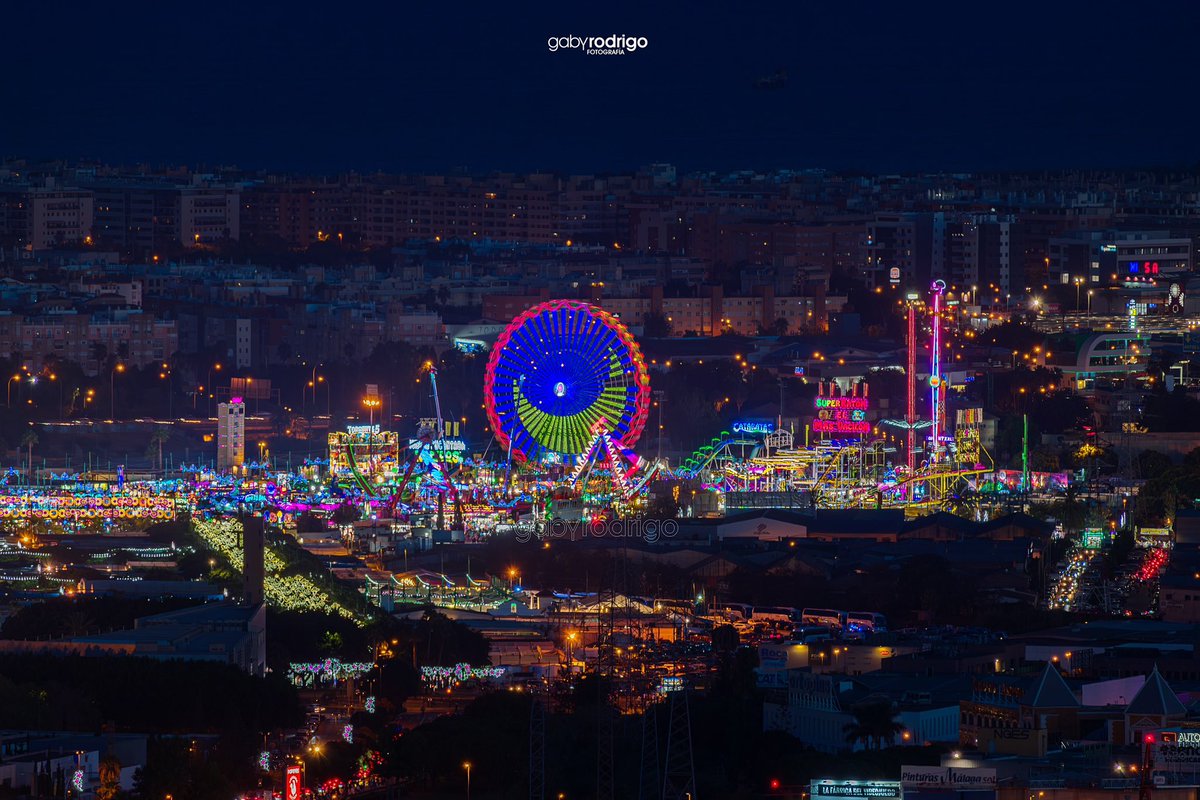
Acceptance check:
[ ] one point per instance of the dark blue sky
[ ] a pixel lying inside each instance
(406, 86)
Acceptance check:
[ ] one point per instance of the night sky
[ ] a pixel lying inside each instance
(330, 86)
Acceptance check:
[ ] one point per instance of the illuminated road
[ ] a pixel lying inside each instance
(1069, 588)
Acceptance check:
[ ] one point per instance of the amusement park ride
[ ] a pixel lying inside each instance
(567, 394)
(844, 462)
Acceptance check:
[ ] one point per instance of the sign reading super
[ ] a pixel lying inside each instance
(844, 416)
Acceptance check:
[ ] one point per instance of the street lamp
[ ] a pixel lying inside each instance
(467, 767)
(112, 389)
(372, 402)
(321, 379)
(16, 377)
(167, 374)
(209, 383)
(312, 384)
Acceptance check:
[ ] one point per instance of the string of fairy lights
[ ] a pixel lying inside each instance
(292, 592)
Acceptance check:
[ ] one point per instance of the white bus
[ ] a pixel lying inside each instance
(774, 614)
(825, 617)
(737, 610)
(866, 622)
(805, 634)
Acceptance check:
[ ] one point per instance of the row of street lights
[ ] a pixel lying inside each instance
(166, 373)
(32, 381)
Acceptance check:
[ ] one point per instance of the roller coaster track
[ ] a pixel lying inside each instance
(704, 456)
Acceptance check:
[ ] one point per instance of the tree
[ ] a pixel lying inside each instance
(99, 353)
(779, 327)
(28, 441)
(331, 642)
(875, 723)
(1013, 335)
(1171, 411)
(110, 778)
(1152, 463)
(346, 514)
(655, 325)
(157, 438)
(1044, 459)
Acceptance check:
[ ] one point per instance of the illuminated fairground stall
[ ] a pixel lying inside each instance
(364, 456)
(75, 508)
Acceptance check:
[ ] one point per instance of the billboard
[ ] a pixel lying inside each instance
(782, 656)
(1176, 757)
(250, 388)
(954, 778)
(889, 790)
(450, 451)
(841, 416)
(1154, 536)
(292, 783)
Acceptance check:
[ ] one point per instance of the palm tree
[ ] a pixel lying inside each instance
(77, 623)
(874, 724)
(28, 441)
(110, 778)
(159, 436)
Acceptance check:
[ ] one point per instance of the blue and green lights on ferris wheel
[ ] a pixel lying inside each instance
(558, 373)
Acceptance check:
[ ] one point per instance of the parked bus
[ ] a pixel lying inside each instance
(737, 610)
(825, 617)
(806, 634)
(774, 614)
(866, 622)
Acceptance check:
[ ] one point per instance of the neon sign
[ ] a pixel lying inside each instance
(763, 426)
(293, 782)
(845, 416)
(856, 403)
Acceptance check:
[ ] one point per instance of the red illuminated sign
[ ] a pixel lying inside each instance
(292, 783)
(842, 416)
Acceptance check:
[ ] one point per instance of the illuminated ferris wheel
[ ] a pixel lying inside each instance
(560, 373)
